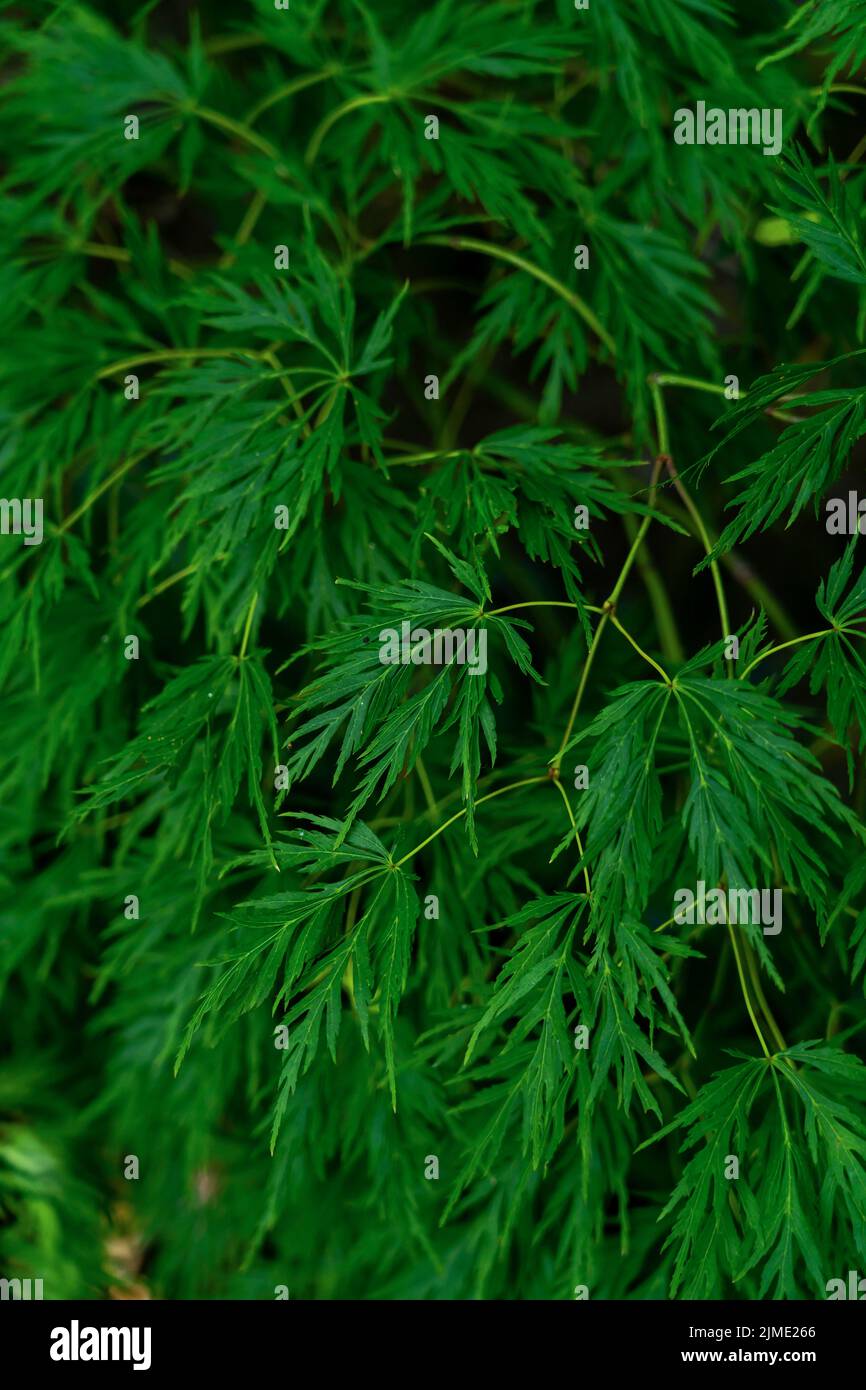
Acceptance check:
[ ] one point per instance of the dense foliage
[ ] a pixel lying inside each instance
(364, 980)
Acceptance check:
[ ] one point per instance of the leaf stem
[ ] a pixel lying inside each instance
(173, 355)
(636, 544)
(655, 385)
(512, 786)
(500, 253)
(167, 583)
(257, 205)
(755, 977)
(426, 786)
(558, 784)
(98, 491)
(298, 85)
(609, 606)
(751, 1010)
(589, 608)
(248, 624)
(238, 129)
(119, 254)
(627, 635)
(353, 104)
(694, 383)
(691, 508)
(540, 603)
(587, 666)
(807, 637)
(669, 637)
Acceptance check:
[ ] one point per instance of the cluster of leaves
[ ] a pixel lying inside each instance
(226, 823)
